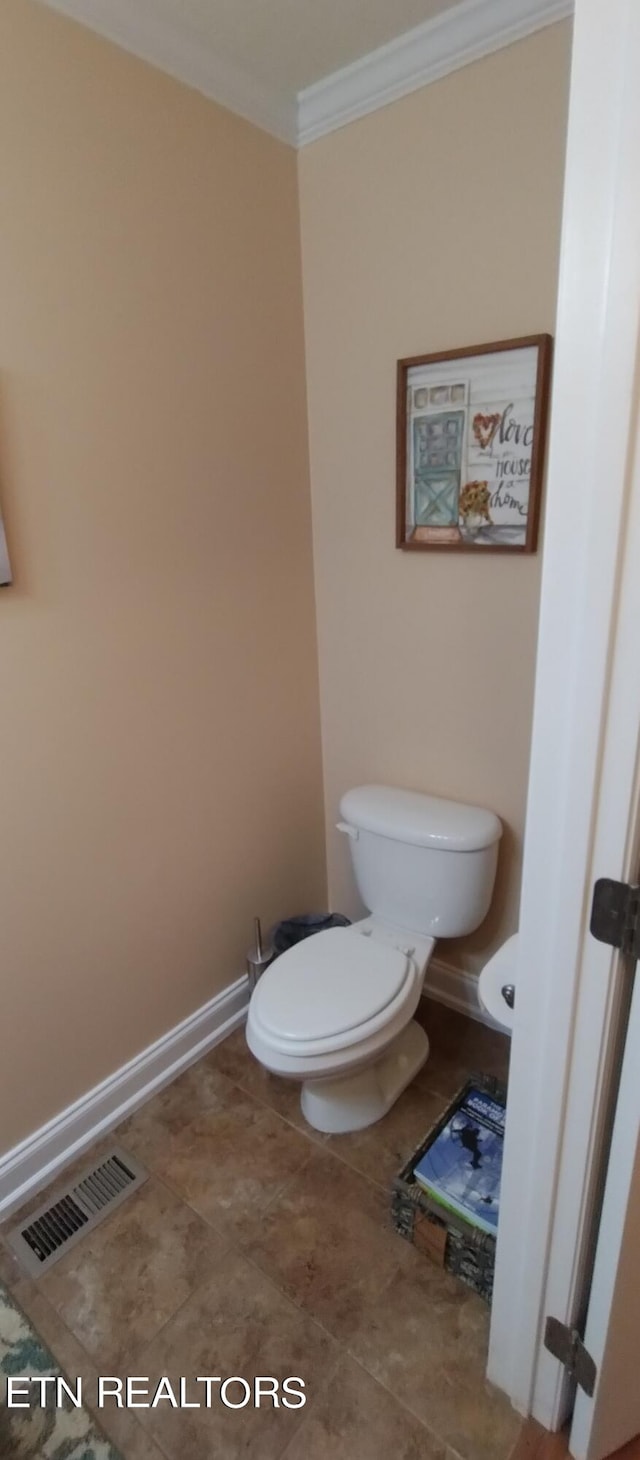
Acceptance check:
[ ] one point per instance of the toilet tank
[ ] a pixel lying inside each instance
(421, 862)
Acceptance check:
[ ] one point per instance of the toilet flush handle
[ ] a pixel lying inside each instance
(347, 830)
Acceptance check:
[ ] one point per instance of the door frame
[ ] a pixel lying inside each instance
(568, 986)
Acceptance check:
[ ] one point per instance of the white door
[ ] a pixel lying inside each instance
(572, 993)
(608, 1310)
(612, 1337)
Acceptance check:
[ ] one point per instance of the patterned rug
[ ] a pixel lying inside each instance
(35, 1433)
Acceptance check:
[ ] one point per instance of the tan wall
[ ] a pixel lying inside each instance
(430, 224)
(161, 776)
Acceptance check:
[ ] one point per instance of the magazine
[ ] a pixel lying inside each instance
(462, 1169)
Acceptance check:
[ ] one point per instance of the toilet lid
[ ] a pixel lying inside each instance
(328, 984)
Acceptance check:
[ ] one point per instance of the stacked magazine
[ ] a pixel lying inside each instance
(462, 1168)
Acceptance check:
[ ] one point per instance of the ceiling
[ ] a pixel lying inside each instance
(300, 68)
(288, 44)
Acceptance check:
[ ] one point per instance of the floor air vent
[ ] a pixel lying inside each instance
(52, 1229)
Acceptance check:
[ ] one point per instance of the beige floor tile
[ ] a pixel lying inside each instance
(201, 1089)
(10, 1269)
(425, 1337)
(230, 1163)
(69, 1354)
(381, 1150)
(239, 1324)
(124, 1431)
(120, 1426)
(328, 1243)
(131, 1441)
(122, 1282)
(156, 1285)
(442, 1075)
(355, 1419)
(459, 1047)
(236, 1061)
(234, 1057)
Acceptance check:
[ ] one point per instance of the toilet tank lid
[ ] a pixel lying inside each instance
(420, 820)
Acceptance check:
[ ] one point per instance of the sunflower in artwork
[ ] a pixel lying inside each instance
(474, 503)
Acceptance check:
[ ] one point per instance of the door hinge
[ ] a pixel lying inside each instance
(615, 915)
(566, 1345)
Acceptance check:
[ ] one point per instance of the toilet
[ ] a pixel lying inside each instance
(497, 985)
(336, 1011)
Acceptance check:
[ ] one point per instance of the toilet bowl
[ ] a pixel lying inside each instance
(336, 1011)
(340, 1003)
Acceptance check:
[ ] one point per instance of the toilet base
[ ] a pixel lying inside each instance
(360, 1099)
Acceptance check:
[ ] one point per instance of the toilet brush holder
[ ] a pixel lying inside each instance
(258, 957)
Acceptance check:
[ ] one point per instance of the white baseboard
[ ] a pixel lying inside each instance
(455, 988)
(35, 1161)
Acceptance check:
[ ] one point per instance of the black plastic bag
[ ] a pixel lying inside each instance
(292, 930)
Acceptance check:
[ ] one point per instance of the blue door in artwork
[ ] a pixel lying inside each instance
(437, 468)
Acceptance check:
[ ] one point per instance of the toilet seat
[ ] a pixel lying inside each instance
(332, 991)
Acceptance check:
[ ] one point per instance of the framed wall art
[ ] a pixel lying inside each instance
(471, 430)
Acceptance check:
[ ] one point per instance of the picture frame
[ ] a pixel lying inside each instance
(471, 432)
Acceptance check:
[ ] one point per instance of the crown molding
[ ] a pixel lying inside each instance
(465, 33)
(166, 43)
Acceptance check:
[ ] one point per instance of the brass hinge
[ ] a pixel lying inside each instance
(566, 1345)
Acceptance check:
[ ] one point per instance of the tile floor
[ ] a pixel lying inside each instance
(258, 1246)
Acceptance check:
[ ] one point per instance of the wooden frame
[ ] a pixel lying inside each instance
(435, 412)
